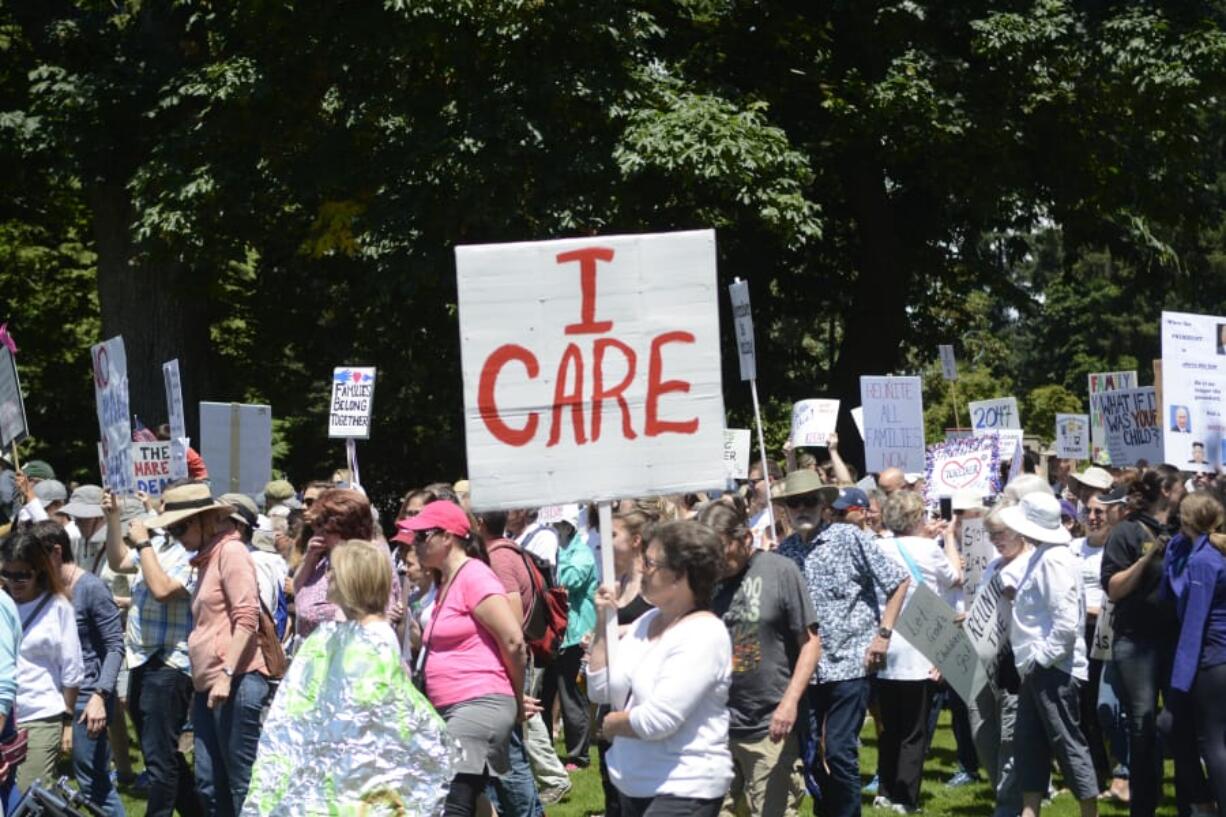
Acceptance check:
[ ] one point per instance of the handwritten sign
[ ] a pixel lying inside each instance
(236, 443)
(151, 466)
(353, 398)
(987, 625)
(977, 552)
(1011, 440)
(1073, 436)
(14, 426)
(742, 318)
(893, 423)
(949, 366)
(971, 464)
(1100, 382)
(813, 421)
(1130, 424)
(178, 425)
(591, 368)
(114, 418)
(736, 452)
(927, 623)
(990, 415)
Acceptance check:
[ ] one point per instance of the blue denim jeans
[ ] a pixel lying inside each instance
(1113, 720)
(91, 760)
(10, 796)
(841, 705)
(160, 702)
(226, 742)
(515, 794)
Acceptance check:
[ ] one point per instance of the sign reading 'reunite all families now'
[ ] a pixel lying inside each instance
(353, 399)
(591, 368)
(893, 423)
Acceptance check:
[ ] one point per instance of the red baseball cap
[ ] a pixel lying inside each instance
(442, 515)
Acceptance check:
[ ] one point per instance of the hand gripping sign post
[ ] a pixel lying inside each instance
(742, 316)
(114, 419)
(591, 371)
(350, 410)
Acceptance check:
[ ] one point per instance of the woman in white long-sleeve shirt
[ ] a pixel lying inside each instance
(1049, 652)
(668, 684)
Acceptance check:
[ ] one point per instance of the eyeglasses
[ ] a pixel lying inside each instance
(17, 576)
(423, 536)
(177, 530)
(650, 565)
(803, 501)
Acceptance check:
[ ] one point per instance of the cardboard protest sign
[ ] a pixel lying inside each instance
(151, 466)
(236, 443)
(736, 452)
(742, 317)
(893, 423)
(1193, 385)
(813, 421)
(977, 551)
(114, 418)
(178, 424)
(352, 403)
(927, 623)
(14, 427)
(949, 366)
(1073, 436)
(591, 368)
(997, 413)
(987, 625)
(962, 465)
(1099, 382)
(1130, 424)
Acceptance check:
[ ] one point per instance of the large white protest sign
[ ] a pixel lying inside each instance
(1130, 424)
(977, 551)
(742, 317)
(1193, 386)
(857, 417)
(178, 423)
(14, 427)
(949, 366)
(971, 464)
(987, 624)
(927, 623)
(736, 452)
(114, 418)
(1073, 436)
(893, 423)
(591, 368)
(352, 403)
(995, 414)
(151, 466)
(236, 443)
(1099, 382)
(813, 421)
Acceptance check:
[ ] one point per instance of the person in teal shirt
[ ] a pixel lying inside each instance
(577, 573)
(10, 644)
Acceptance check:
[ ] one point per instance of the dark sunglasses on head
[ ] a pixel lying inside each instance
(16, 575)
(803, 501)
(423, 536)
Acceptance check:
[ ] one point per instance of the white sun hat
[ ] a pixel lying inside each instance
(1037, 517)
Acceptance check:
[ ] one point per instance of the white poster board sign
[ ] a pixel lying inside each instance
(1099, 382)
(1072, 436)
(949, 366)
(977, 551)
(813, 421)
(971, 464)
(178, 424)
(742, 319)
(114, 418)
(995, 414)
(151, 466)
(927, 623)
(1193, 385)
(987, 624)
(857, 417)
(1130, 425)
(352, 403)
(1010, 440)
(736, 452)
(591, 368)
(236, 443)
(893, 423)
(14, 427)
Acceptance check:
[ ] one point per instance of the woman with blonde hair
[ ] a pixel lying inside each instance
(391, 747)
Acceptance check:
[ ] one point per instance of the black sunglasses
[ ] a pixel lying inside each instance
(16, 575)
(803, 501)
(177, 530)
(423, 536)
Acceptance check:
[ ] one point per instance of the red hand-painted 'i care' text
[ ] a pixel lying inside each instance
(568, 392)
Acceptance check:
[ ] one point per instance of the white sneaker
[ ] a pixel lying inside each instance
(883, 802)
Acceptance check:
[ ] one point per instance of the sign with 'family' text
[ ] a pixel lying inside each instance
(353, 399)
(1100, 382)
(971, 464)
(1072, 436)
(893, 423)
(114, 418)
(591, 368)
(1130, 425)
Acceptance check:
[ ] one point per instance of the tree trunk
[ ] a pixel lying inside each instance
(160, 309)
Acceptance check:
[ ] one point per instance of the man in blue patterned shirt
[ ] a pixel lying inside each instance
(844, 571)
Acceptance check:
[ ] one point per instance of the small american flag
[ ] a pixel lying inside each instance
(140, 434)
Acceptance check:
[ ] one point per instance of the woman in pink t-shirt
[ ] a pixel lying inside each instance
(473, 651)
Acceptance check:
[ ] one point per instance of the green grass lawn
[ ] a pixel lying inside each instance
(587, 798)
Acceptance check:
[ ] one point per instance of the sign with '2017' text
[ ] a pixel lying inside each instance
(591, 368)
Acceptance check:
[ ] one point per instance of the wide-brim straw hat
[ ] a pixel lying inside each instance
(804, 481)
(185, 501)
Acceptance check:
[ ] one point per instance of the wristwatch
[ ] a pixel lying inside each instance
(885, 632)
(141, 545)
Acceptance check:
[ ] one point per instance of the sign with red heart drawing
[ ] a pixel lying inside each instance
(971, 465)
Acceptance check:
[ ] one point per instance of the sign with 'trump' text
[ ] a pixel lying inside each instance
(591, 368)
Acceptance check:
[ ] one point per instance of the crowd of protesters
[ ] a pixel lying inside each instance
(468, 656)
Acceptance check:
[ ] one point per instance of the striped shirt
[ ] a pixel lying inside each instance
(156, 629)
